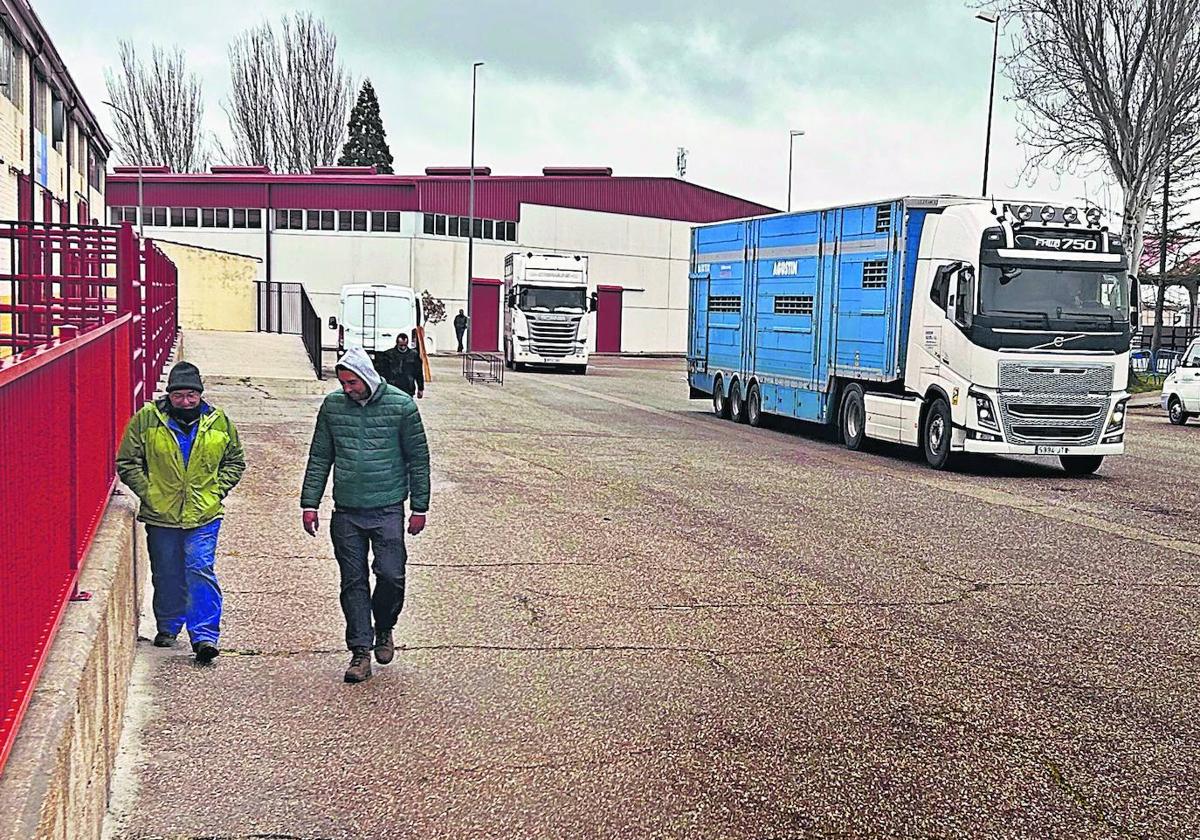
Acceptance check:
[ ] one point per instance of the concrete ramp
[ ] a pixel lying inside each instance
(227, 357)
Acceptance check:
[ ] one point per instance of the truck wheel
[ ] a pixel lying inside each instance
(1176, 413)
(938, 430)
(754, 415)
(1080, 465)
(737, 405)
(854, 418)
(720, 403)
(581, 370)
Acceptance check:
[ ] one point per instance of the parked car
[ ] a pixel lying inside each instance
(1181, 390)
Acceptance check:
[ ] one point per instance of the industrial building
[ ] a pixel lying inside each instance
(341, 225)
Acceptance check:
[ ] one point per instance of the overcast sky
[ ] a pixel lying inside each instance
(892, 96)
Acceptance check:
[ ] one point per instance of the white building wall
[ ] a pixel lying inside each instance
(647, 257)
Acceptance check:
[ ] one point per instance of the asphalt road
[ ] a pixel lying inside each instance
(631, 619)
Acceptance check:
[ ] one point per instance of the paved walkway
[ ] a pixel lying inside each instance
(630, 619)
(234, 355)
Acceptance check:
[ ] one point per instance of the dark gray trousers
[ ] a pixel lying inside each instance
(382, 530)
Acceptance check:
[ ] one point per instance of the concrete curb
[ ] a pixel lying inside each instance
(56, 782)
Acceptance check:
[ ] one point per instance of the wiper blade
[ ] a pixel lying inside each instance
(1101, 315)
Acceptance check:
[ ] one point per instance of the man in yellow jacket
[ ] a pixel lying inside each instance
(181, 457)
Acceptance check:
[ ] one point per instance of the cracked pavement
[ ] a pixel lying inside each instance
(630, 619)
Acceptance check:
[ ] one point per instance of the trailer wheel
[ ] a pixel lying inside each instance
(720, 403)
(937, 433)
(1176, 413)
(737, 405)
(1080, 465)
(854, 418)
(754, 415)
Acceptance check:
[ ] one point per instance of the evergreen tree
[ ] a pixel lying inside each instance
(367, 145)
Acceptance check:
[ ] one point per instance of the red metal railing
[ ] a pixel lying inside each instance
(90, 322)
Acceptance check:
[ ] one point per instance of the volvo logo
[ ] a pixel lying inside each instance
(1058, 341)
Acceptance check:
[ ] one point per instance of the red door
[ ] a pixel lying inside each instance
(484, 312)
(608, 319)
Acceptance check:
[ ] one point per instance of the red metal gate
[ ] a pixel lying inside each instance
(87, 330)
(485, 316)
(608, 319)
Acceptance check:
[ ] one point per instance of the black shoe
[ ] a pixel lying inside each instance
(205, 652)
(164, 640)
(360, 666)
(385, 649)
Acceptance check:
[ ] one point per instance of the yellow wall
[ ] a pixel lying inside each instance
(216, 289)
(5, 327)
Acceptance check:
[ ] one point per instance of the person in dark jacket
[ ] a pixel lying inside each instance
(401, 367)
(460, 328)
(370, 434)
(182, 457)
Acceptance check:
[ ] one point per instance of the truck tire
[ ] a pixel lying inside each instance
(1080, 465)
(935, 440)
(579, 370)
(719, 401)
(754, 415)
(737, 404)
(1175, 412)
(854, 418)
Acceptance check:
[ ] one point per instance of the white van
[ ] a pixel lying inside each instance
(373, 314)
(1181, 390)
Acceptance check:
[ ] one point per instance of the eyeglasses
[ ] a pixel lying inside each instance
(184, 396)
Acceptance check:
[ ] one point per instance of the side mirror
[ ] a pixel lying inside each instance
(333, 322)
(964, 296)
(512, 301)
(593, 301)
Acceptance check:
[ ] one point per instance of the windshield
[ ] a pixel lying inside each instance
(1046, 294)
(533, 299)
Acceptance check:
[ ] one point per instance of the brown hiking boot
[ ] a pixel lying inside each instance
(360, 666)
(385, 648)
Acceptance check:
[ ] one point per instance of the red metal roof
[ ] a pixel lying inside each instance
(496, 196)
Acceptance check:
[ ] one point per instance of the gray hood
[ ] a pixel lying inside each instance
(359, 363)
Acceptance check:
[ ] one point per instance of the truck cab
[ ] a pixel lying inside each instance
(546, 307)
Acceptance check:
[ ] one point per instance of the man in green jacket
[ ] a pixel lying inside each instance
(370, 434)
(181, 457)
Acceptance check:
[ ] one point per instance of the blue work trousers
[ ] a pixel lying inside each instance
(183, 569)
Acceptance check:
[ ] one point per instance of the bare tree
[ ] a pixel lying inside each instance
(1104, 84)
(1170, 254)
(160, 110)
(290, 95)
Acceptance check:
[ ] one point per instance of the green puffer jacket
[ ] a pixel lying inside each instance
(377, 451)
(150, 463)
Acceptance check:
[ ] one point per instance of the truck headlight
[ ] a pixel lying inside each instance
(1116, 420)
(985, 413)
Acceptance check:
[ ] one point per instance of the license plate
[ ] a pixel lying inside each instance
(1050, 450)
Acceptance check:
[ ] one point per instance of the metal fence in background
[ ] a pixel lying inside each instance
(286, 308)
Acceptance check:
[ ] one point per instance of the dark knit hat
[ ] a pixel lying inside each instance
(184, 376)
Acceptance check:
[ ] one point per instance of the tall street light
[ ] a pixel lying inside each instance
(791, 148)
(994, 20)
(471, 211)
(137, 136)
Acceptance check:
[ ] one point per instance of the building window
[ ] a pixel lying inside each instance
(40, 92)
(254, 219)
(360, 219)
(191, 217)
(239, 218)
(297, 219)
(221, 217)
(428, 223)
(453, 222)
(114, 215)
(208, 217)
(11, 61)
(176, 217)
(439, 223)
(314, 219)
(511, 231)
(376, 220)
(489, 231)
(160, 217)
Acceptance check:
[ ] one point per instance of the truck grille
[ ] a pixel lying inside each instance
(553, 339)
(1049, 403)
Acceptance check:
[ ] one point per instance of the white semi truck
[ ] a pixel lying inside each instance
(952, 324)
(546, 307)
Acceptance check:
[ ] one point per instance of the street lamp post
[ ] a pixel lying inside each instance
(791, 148)
(137, 136)
(471, 212)
(994, 20)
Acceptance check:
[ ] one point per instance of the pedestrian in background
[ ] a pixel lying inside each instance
(401, 367)
(460, 328)
(370, 434)
(182, 457)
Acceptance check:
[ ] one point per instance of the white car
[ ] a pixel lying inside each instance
(1181, 390)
